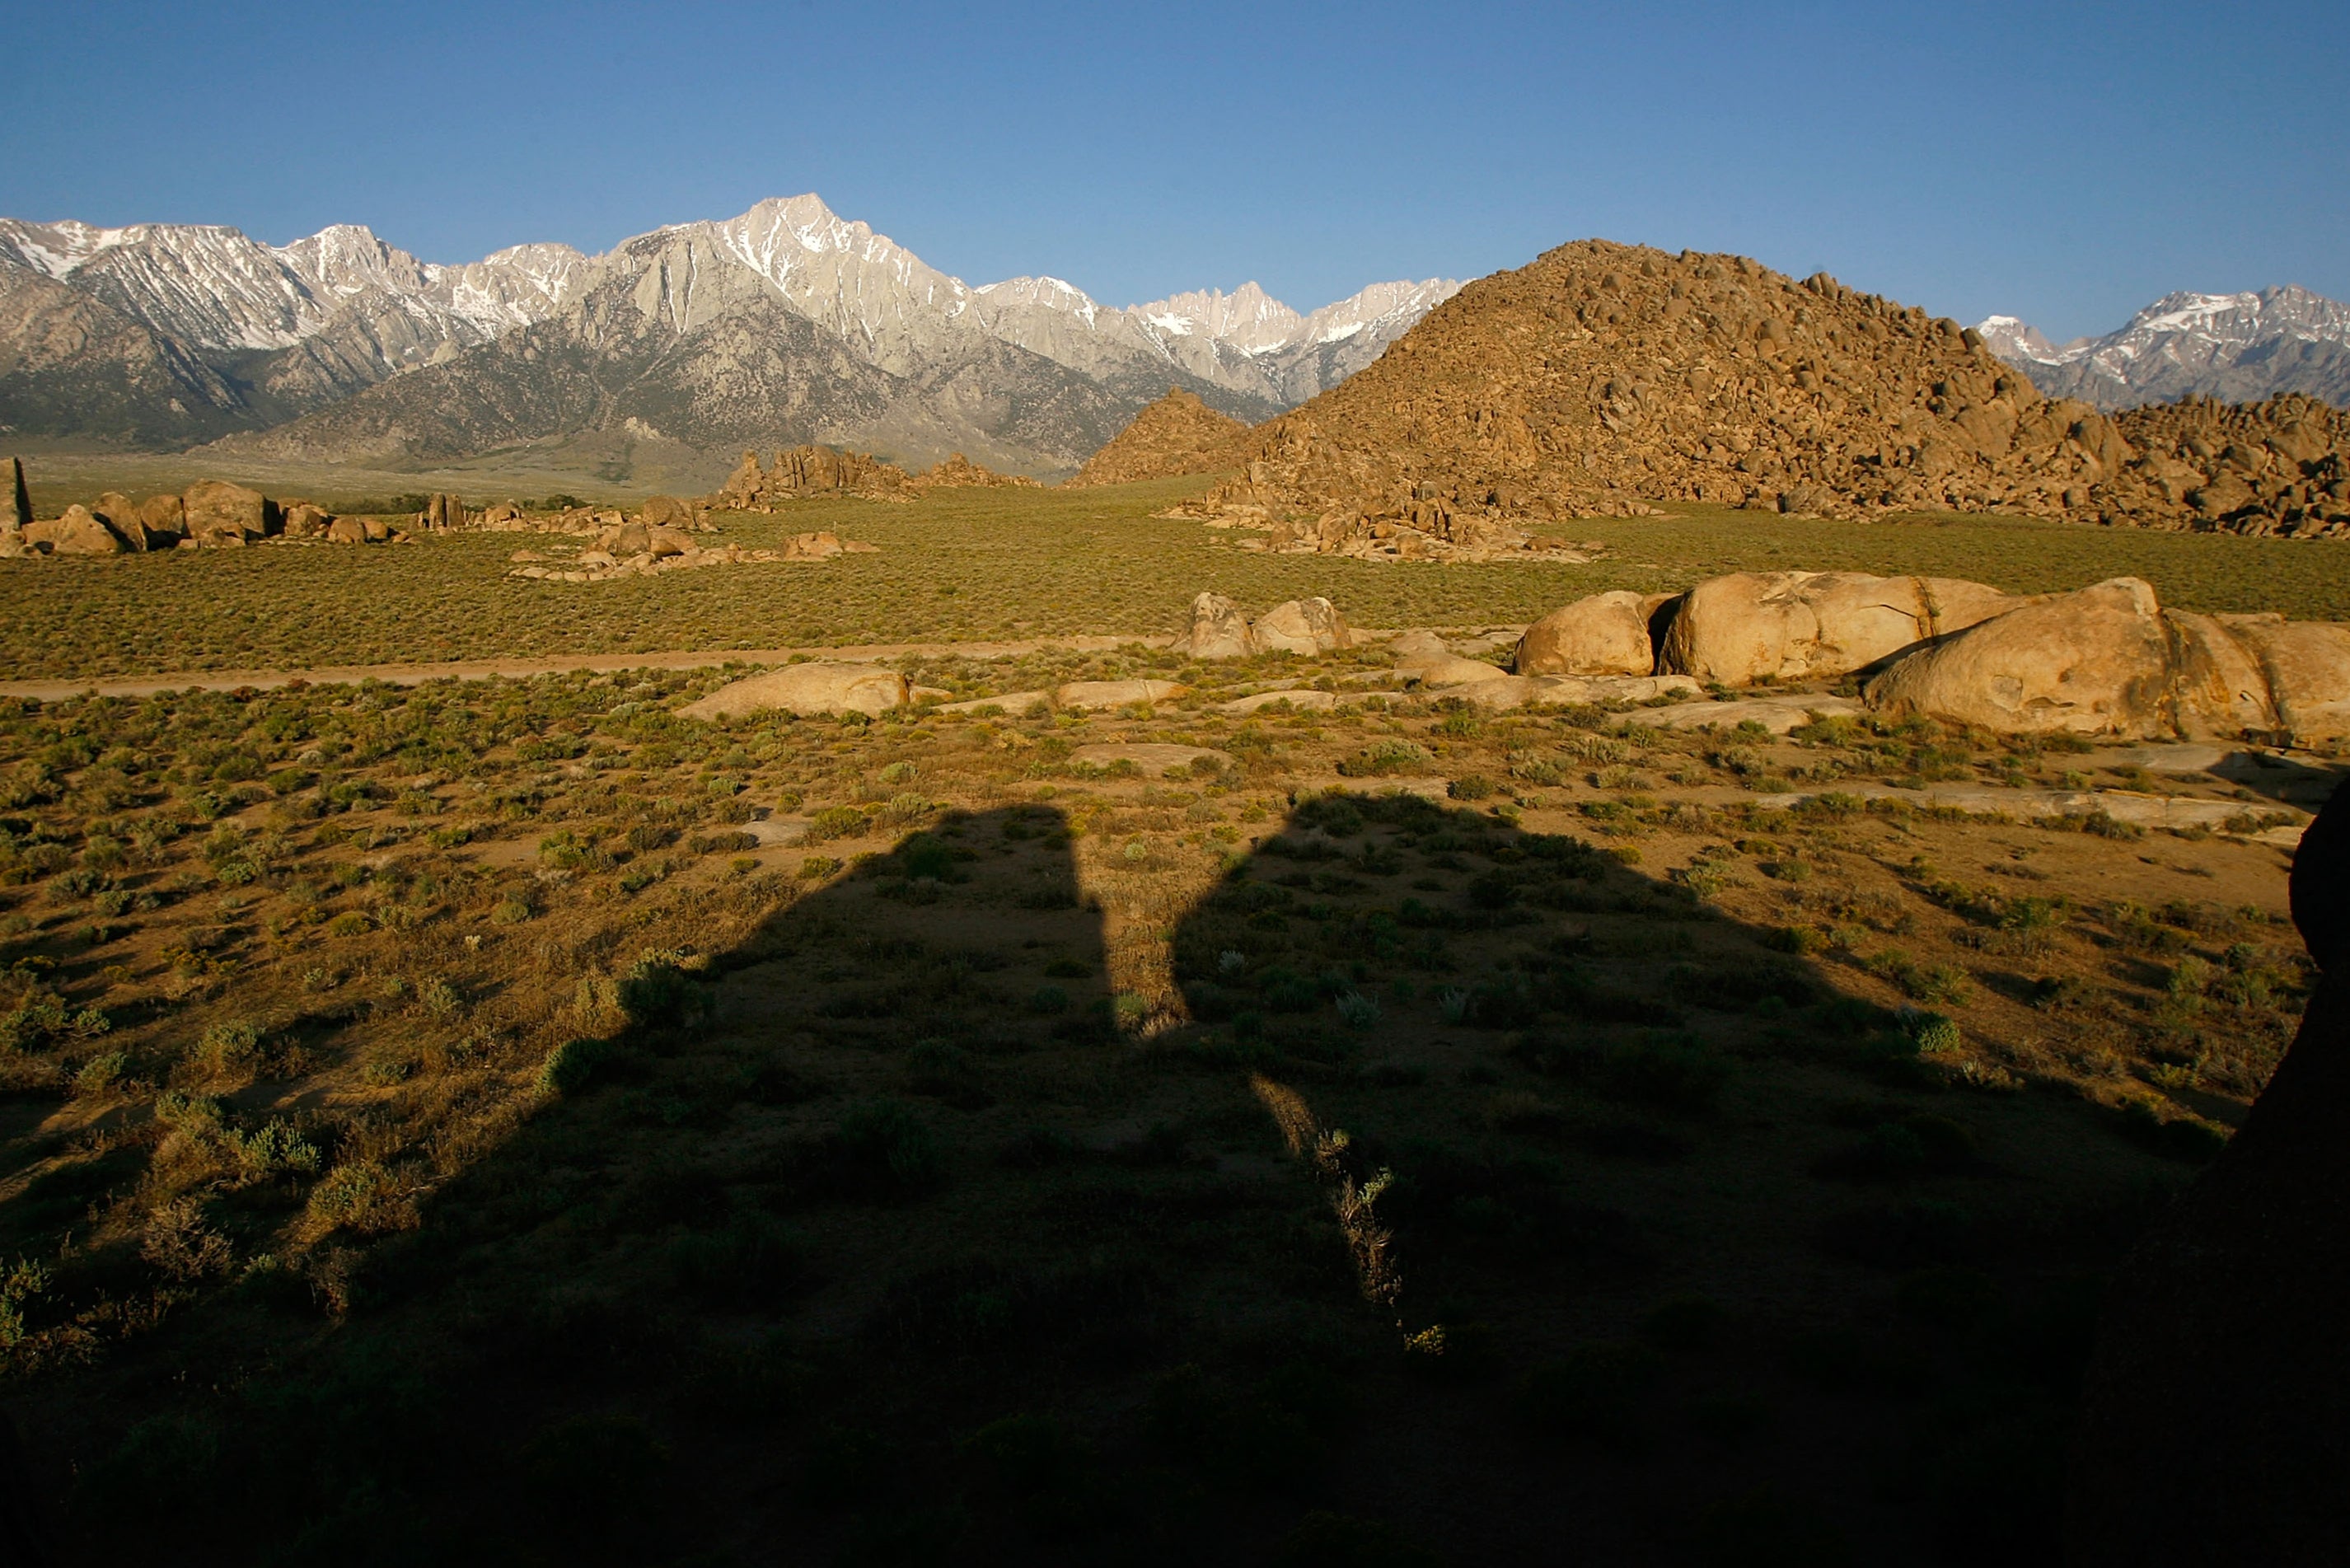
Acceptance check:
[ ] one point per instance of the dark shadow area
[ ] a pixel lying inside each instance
(2216, 1426)
(922, 1227)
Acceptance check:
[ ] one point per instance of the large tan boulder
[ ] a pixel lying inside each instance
(822, 688)
(1300, 626)
(165, 519)
(80, 532)
(121, 516)
(219, 512)
(663, 542)
(2095, 662)
(1605, 634)
(1417, 644)
(668, 512)
(304, 520)
(1808, 625)
(1116, 693)
(345, 531)
(2307, 666)
(1218, 630)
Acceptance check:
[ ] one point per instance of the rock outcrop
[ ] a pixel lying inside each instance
(1300, 626)
(1807, 625)
(819, 688)
(809, 471)
(957, 472)
(1604, 377)
(441, 513)
(1219, 629)
(2109, 661)
(15, 500)
(1177, 435)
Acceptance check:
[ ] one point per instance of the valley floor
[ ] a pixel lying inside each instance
(503, 1120)
(1009, 566)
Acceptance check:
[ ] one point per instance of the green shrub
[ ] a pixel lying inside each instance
(570, 1067)
(834, 821)
(660, 992)
(1384, 757)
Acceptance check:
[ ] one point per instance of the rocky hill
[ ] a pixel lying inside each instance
(1603, 377)
(2239, 347)
(1176, 434)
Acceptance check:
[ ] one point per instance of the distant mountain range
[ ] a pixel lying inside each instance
(782, 325)
(2237, 347)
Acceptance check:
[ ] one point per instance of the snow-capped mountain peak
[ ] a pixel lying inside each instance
(2246, 343)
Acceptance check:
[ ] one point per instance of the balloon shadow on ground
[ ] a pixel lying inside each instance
(1417, 1179)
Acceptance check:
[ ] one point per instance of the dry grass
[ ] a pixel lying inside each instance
(465, 1109)
(1008, 564)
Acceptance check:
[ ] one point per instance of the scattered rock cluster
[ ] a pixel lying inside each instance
(813, 471)
(1447, 538)
(958, 472)
(1177, 434)
(2106, 661)
(841, 687)
(1601, 376)
(635, 550)
(807, 470)
(211, 513)
(1219, 629)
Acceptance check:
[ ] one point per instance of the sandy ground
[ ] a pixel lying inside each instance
(485, 669)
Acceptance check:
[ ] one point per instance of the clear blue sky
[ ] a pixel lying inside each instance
(2065, 163)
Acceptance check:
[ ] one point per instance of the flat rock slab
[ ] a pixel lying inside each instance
(1304, 701)
(1427, 789)
(2165, 759)
(1517, 690)
(1152, 759)
(2122, 805)
(1013, 702)
(1776, 714)
(1447, 670)
(1116, 693)
(814, 688)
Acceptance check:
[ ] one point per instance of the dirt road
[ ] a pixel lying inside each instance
(485, 669)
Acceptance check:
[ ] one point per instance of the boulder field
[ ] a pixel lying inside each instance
(2107, 659)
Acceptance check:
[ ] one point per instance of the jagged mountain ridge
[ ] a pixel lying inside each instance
(675, 339)
(256, 336)
(2237, 347)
